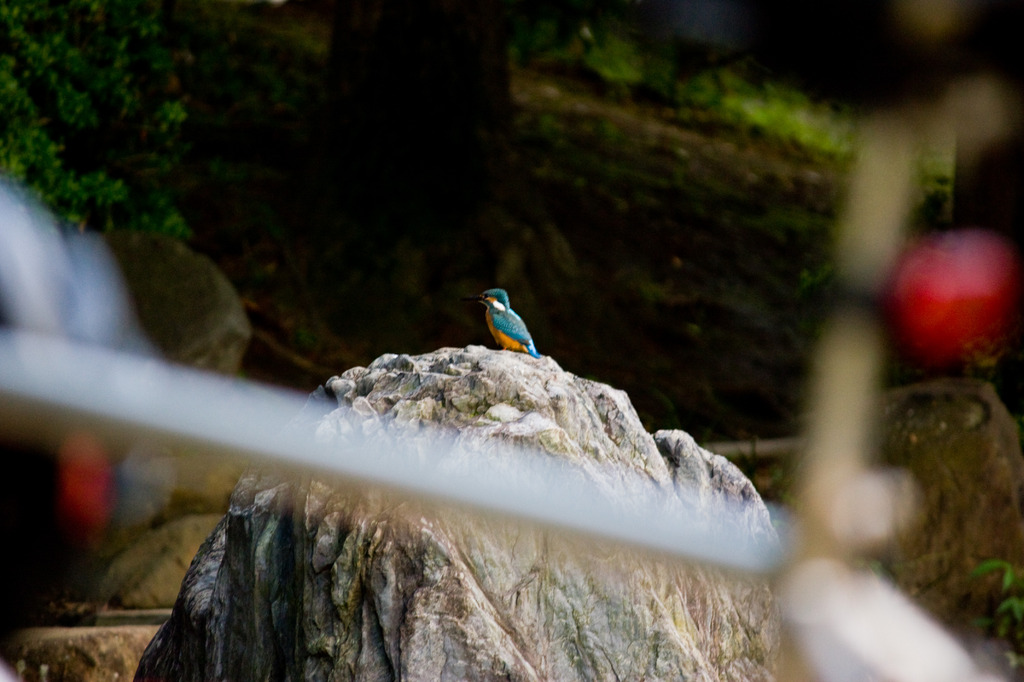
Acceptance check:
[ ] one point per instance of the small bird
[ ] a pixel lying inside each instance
(507, 328)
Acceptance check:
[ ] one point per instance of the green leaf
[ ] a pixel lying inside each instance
(990, 565)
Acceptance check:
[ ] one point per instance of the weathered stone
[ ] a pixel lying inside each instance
(148, 573)
(718, 485)
(961, 445)
(77, 654)
(185, 304)
(305, 580)
(169, 505)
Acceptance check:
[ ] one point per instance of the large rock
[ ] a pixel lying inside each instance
(192, 313)
(185, 304)
(170, 502)
(961, 445)
(148, 573)
(717, 484)
(77, 654)
(303, 580)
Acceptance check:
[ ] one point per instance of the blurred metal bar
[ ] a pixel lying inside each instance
(758, 448)
(846, 380)
(50, 387)
(847, 625)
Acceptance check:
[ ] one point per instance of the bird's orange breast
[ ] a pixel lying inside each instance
(504, 340)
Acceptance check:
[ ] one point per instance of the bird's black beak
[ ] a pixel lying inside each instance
(478, 297)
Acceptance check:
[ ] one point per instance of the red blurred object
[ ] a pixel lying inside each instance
(953, 294)
(85, 490)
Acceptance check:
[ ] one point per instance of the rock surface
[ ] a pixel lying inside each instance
(147, 574)
(961, 445)
(172, 503)
(305, 580)
(716, 482)
(77, 654)
(185, 304)
(192, 313)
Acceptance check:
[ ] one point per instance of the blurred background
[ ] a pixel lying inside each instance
(658, 202)
(656, 184)
(659, 210)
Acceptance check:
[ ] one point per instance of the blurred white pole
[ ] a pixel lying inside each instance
(846, 376)
(50, 387)
(846, 626)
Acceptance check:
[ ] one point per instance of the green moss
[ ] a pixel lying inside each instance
(615, 59)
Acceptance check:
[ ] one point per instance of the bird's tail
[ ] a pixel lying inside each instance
(532, 350)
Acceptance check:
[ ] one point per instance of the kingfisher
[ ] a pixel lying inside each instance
(507, 328)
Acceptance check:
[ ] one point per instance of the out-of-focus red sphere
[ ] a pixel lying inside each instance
(952, 294)
(85, 490)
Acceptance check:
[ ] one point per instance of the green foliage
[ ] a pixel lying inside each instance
(813, 282)
(935, 178)
(85, 114)
(733, 93)
(732, 96)
(551, 26)
(1008, 620)
(245, 71)
(615, 59)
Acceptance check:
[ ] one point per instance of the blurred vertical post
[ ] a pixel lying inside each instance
(834, 519)
(845, 380)
(844, 387)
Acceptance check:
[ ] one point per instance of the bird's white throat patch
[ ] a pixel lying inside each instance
(498, 306)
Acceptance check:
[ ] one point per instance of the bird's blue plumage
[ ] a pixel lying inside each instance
(506, 326)
(508, 322)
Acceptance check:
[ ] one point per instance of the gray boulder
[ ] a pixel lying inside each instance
(723, 495)
(147, 574)
(185, 304)
(311, 580)
(961, 445)
(96, 654)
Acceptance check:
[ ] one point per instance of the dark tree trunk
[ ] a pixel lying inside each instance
(412, 145)
(990, 193)
(419, 105)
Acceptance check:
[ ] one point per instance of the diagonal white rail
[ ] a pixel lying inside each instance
(50, 387)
